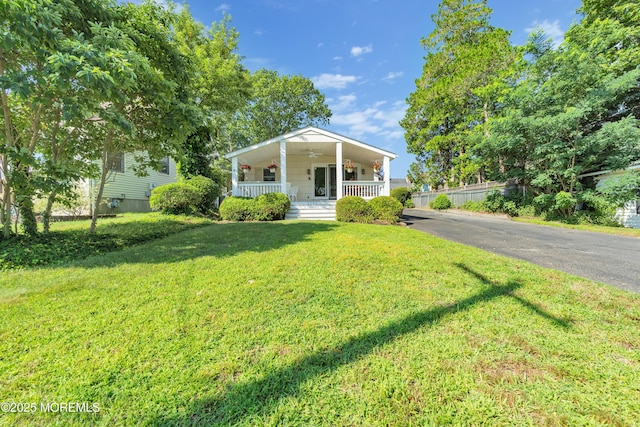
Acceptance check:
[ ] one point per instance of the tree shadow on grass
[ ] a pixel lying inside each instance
(563, 323)
(259, 397)
(218, 240)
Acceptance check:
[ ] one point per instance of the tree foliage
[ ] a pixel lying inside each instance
(278, 104)
(466, 66)
(540, 115)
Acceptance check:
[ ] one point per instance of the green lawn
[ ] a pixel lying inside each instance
(619, 231)
(316, 323)
(69, 241)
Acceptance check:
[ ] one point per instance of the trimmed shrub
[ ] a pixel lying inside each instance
(441, 202)
(386, 208)
(177, 198)
(236, 208)
(353, 209)
(266, 207)
(402, 194)
(270, 207)
(207, 190)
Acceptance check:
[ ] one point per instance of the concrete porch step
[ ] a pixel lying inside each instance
(325, 210)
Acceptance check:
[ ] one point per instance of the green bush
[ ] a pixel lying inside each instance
(236, 208)
(386, 208)
(472, 206)
(597, 209)
(441, 202)
(543, 203)
(177, 198)
(353, 209)
(208, 192)
(402, 194)
(494, 201)
(510, 208)
(528, 210)
(409, 204)
(266, 207)
(270, 207)
(565, 203)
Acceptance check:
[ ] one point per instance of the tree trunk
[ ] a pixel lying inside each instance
(46, 217)
(6, 202)
(8, 142)
(24, 201)
(103, 179)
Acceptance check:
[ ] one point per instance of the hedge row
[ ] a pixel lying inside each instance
(355, 209)
(265, 207)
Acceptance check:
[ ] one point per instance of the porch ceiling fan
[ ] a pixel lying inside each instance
(313, 154)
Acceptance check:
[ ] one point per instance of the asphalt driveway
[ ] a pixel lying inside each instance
(614, 260)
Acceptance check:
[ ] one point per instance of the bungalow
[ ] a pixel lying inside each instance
(314, 167)
(629, 214)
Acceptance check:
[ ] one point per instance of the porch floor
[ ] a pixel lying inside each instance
(313, 210)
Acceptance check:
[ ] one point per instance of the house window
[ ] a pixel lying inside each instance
(115, 162)
(351, 176)
(164, 166)
(267, 175)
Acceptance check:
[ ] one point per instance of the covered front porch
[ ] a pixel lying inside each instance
(311, 164)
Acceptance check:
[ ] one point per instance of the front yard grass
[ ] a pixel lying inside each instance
(618, 231)
(316, 323)
(70, 240)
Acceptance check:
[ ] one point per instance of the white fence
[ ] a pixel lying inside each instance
(256, 189)
(364, 189)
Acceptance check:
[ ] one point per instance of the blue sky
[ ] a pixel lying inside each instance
(364, 55)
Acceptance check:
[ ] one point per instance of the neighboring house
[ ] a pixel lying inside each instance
(124, 191)
(629, 215)
(311, 164)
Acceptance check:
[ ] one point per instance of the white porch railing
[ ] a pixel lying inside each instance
(247, 189)
(364, 189)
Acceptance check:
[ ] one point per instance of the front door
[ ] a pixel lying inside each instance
(320, 181)
(324, 182)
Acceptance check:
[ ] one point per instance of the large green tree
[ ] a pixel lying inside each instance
(278, 104)
(575, 109)
(45, 48)
(82, 80)
(220, 85)
(467, 64)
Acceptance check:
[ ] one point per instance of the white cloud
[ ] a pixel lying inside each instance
(337, 58)
(551, 29)
(333, 81)
(320, 44)
(392, 76)
(224, 7)
(357, 51)
(259, 32)
(379, 119)
(343, 103)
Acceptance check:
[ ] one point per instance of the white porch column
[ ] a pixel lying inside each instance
(387, 176)
(339, 170)
(234, 176)
(283, 167)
